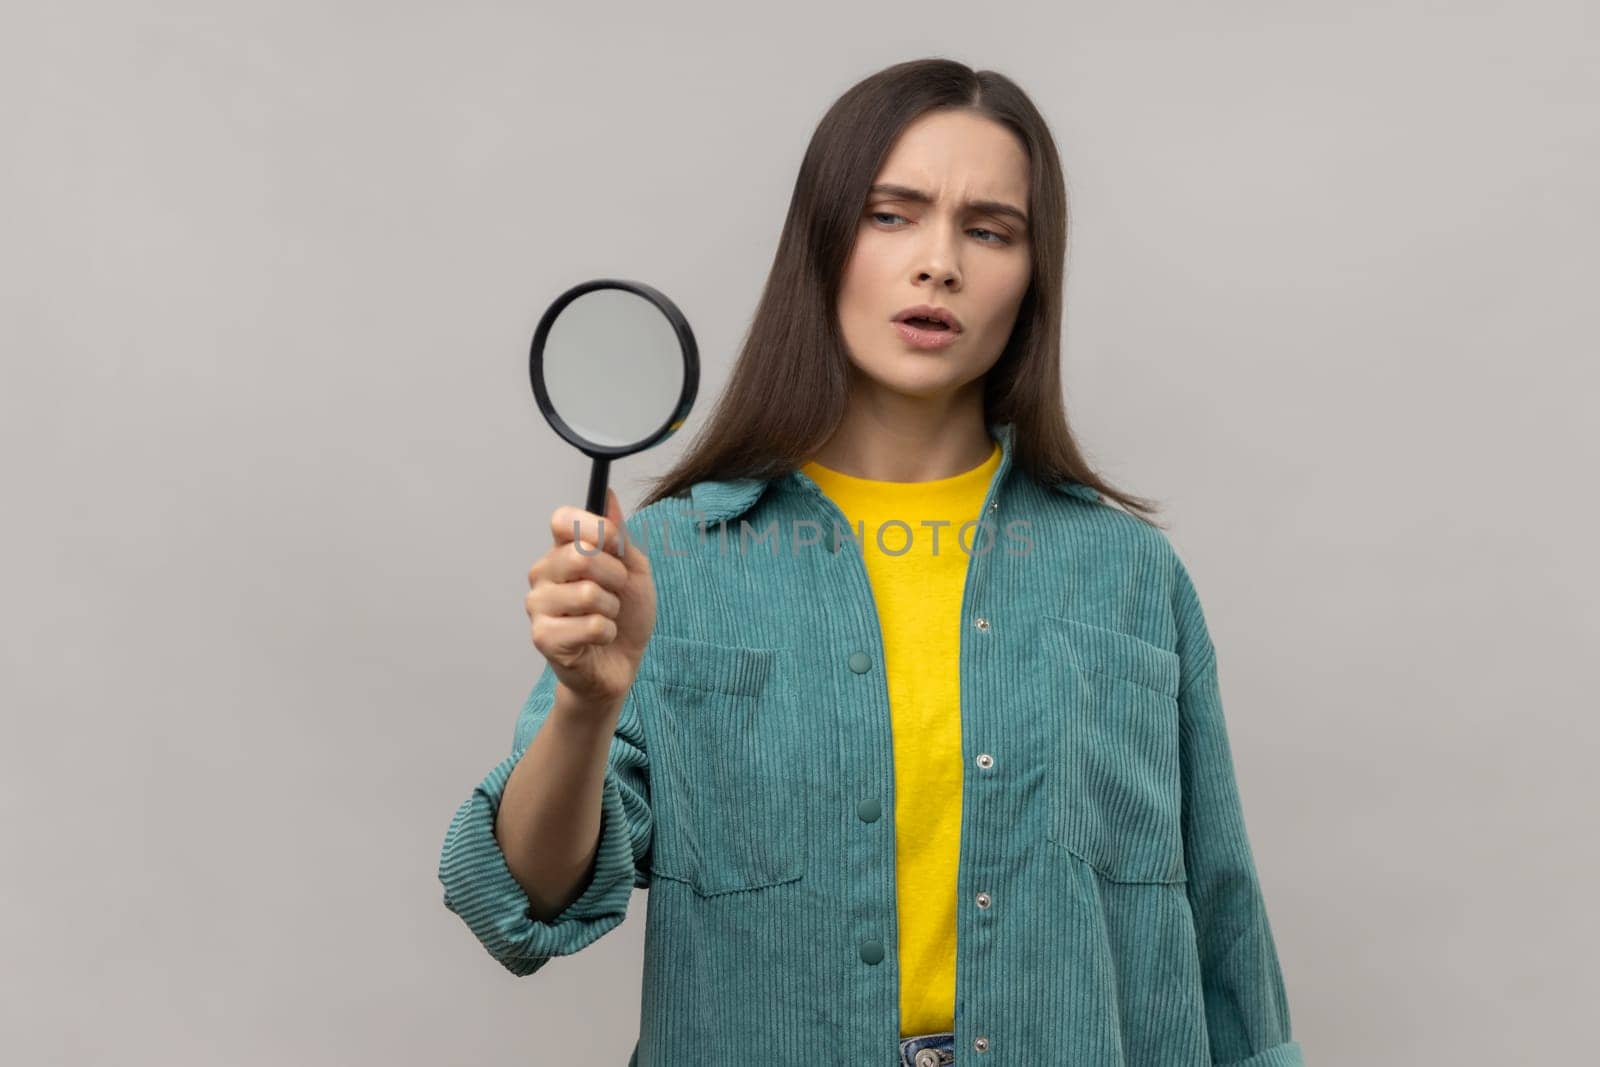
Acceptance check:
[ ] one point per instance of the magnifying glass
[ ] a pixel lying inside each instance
(615, 370)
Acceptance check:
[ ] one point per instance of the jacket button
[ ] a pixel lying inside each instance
(859, 662)
(980, 1044)
(983, 900)
(869, 811)
(985, 760)
(872, 952)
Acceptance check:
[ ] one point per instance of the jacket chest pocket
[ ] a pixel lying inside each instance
(1114, 787)
(725, 761)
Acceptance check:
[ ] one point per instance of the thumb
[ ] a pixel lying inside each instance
(626, 548)
(613, 517)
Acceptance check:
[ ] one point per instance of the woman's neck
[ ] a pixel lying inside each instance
(908, 446)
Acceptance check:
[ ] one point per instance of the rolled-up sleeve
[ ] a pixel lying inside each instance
(479, 887)
(1247, 1008)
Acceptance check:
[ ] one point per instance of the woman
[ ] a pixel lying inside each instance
(914, 737)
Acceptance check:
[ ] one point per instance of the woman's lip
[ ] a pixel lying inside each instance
(926, 339)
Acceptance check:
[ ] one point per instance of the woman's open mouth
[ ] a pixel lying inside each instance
(925, 333)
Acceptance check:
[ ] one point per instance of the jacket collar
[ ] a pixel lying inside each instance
(715, 501)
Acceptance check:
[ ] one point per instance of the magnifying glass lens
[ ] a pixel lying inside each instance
(613, 366)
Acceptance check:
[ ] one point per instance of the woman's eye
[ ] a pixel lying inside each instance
(999, 239)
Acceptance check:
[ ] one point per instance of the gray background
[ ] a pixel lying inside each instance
(273, 477)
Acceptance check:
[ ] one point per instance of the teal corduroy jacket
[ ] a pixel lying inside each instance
(1109, 911)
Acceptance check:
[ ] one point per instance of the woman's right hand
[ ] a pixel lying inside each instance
(590, 612)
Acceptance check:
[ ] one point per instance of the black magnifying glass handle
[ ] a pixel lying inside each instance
(597, 484)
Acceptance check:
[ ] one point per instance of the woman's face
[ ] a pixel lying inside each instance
(971, 260)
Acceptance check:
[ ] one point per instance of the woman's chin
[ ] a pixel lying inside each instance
(919, 374)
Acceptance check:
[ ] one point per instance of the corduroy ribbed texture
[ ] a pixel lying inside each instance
(1100, 808)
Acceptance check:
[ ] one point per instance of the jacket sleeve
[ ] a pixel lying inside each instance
(1247, 1009)
(479, 887)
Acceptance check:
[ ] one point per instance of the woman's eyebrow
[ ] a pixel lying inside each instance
(917, 196)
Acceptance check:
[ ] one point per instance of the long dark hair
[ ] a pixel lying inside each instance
(789, 386)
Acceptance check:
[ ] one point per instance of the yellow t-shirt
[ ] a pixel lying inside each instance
(917, 590)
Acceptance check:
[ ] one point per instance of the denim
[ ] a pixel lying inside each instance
(750, 788)
(943, 1047)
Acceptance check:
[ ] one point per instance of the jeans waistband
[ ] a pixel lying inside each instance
(928, 1050)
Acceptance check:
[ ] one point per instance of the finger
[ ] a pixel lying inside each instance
(581, 597)
(569, 523)
(564, 637)
(576, 560)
